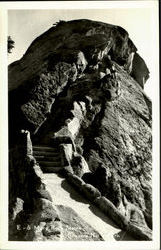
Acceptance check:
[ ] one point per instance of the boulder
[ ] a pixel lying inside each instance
(90, 192)
(110, 210)
(76, 181)
(79, 165)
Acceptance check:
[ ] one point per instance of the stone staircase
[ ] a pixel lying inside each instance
(48, 158)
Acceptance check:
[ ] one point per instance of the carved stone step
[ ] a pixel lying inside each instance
(48, 158)
(45, 149)
(50, 170)
(44, 153)
(50, 164)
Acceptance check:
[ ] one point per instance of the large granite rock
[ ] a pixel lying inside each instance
(82, 82)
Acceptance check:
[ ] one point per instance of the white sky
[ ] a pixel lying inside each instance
(25, 25)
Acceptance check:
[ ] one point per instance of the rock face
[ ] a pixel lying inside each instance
(74, 228)
(81, 82)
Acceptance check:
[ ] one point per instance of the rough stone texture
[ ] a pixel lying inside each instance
(123, 143)
(75, 228)
(42, 225)
(50, 62)
(130, 219)
(75, 180)
(81, 83)
(66, 154)
(90, 192)
(32, 216)
(111, 211)
(79, 165)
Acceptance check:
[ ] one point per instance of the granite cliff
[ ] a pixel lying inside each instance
(80, 85)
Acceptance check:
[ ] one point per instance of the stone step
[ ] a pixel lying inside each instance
(50, 170)
(45, 149)
(47, 158)
(50, 154)
(50, 164)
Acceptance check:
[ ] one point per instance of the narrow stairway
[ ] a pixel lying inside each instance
(64, 194)
(48, 158)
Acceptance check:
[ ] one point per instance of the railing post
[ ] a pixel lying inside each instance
(26, 142)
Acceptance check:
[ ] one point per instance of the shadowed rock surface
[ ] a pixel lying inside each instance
(75, 228)
(81, 82)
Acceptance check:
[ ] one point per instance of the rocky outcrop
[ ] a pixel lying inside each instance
(79, 86)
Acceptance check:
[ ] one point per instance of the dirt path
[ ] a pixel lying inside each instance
(64, 194)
